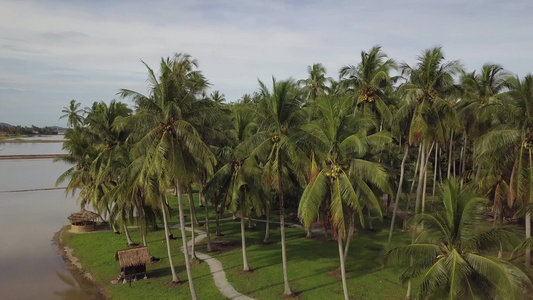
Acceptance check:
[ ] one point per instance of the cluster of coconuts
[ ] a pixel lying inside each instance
(366, 98)
(334, 171)
(274, 139)
(432, 94)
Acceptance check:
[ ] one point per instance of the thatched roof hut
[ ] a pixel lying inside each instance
(83, 216)
(83, 221)
(133, 256)
(133, 262)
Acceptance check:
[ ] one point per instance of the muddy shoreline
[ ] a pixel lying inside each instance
(84, 279)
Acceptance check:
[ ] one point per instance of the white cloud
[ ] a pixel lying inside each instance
(89, 49)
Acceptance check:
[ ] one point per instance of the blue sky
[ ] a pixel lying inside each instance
(54, 51)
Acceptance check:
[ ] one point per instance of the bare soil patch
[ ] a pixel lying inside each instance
(336, 274)
(222, 245)
(295, 295)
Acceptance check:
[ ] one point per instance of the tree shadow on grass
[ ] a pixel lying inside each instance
(366, 252)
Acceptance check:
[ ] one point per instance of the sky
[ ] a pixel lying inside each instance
(57, 50)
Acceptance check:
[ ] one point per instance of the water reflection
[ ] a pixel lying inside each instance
(28, 260)
(31, 148)
(74, 291)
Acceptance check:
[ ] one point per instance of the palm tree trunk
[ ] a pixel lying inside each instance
(370, 226)
(175, 278)
(435, 169)
(287, 290)
(184, 238)
(440, 169)
(417, 208)
(207, 234)
(461, 159)
(419, 196)
(407, 205)
(110, 221)
(127, 233)
(350, 236)
(453, 166)
(112, 224)
(417, 165)
(426, 163)
(398, 195)
(414, 179)
(144, 237)
(267, 227)
(201, 200)
(250, 225)
(408, 296)
(343, 272)
(217, 220)
(424, 191)
(142, 222)
(420, 180)
(450, 150)
(478, 173)
(463, 170)
(191, 209)
(308, 233)
(243, 238)
(528, 235)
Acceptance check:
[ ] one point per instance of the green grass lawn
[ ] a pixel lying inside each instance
(312, 263)
(96, 252)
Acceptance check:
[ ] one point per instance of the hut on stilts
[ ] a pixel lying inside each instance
(83, 221)
(132, 262)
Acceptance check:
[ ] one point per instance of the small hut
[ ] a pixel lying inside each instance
(133, 262)
(83, 221)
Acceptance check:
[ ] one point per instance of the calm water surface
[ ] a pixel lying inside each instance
(34, 148)
(56, 137)
(30, 267)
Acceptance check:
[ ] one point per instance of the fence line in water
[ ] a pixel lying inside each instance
(33, 190)
(31, 156)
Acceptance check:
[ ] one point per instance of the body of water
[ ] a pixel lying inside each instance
(57, 137)
(34, 148)
(30, 267)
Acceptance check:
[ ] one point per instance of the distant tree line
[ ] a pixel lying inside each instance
(33, 130)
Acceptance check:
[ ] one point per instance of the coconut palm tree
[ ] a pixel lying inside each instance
(167, 138)
(316, 83)
(106, 139)
(430, 83)
(217, 97)
(280, 114)
(83, 150)
(237, 182)
(449, 253)
(129, 197)
(343, 178)
(368, 81)
(73, 113)
(510, 146)
(480, 106)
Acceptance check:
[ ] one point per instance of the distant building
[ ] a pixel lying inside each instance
(3, 133)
